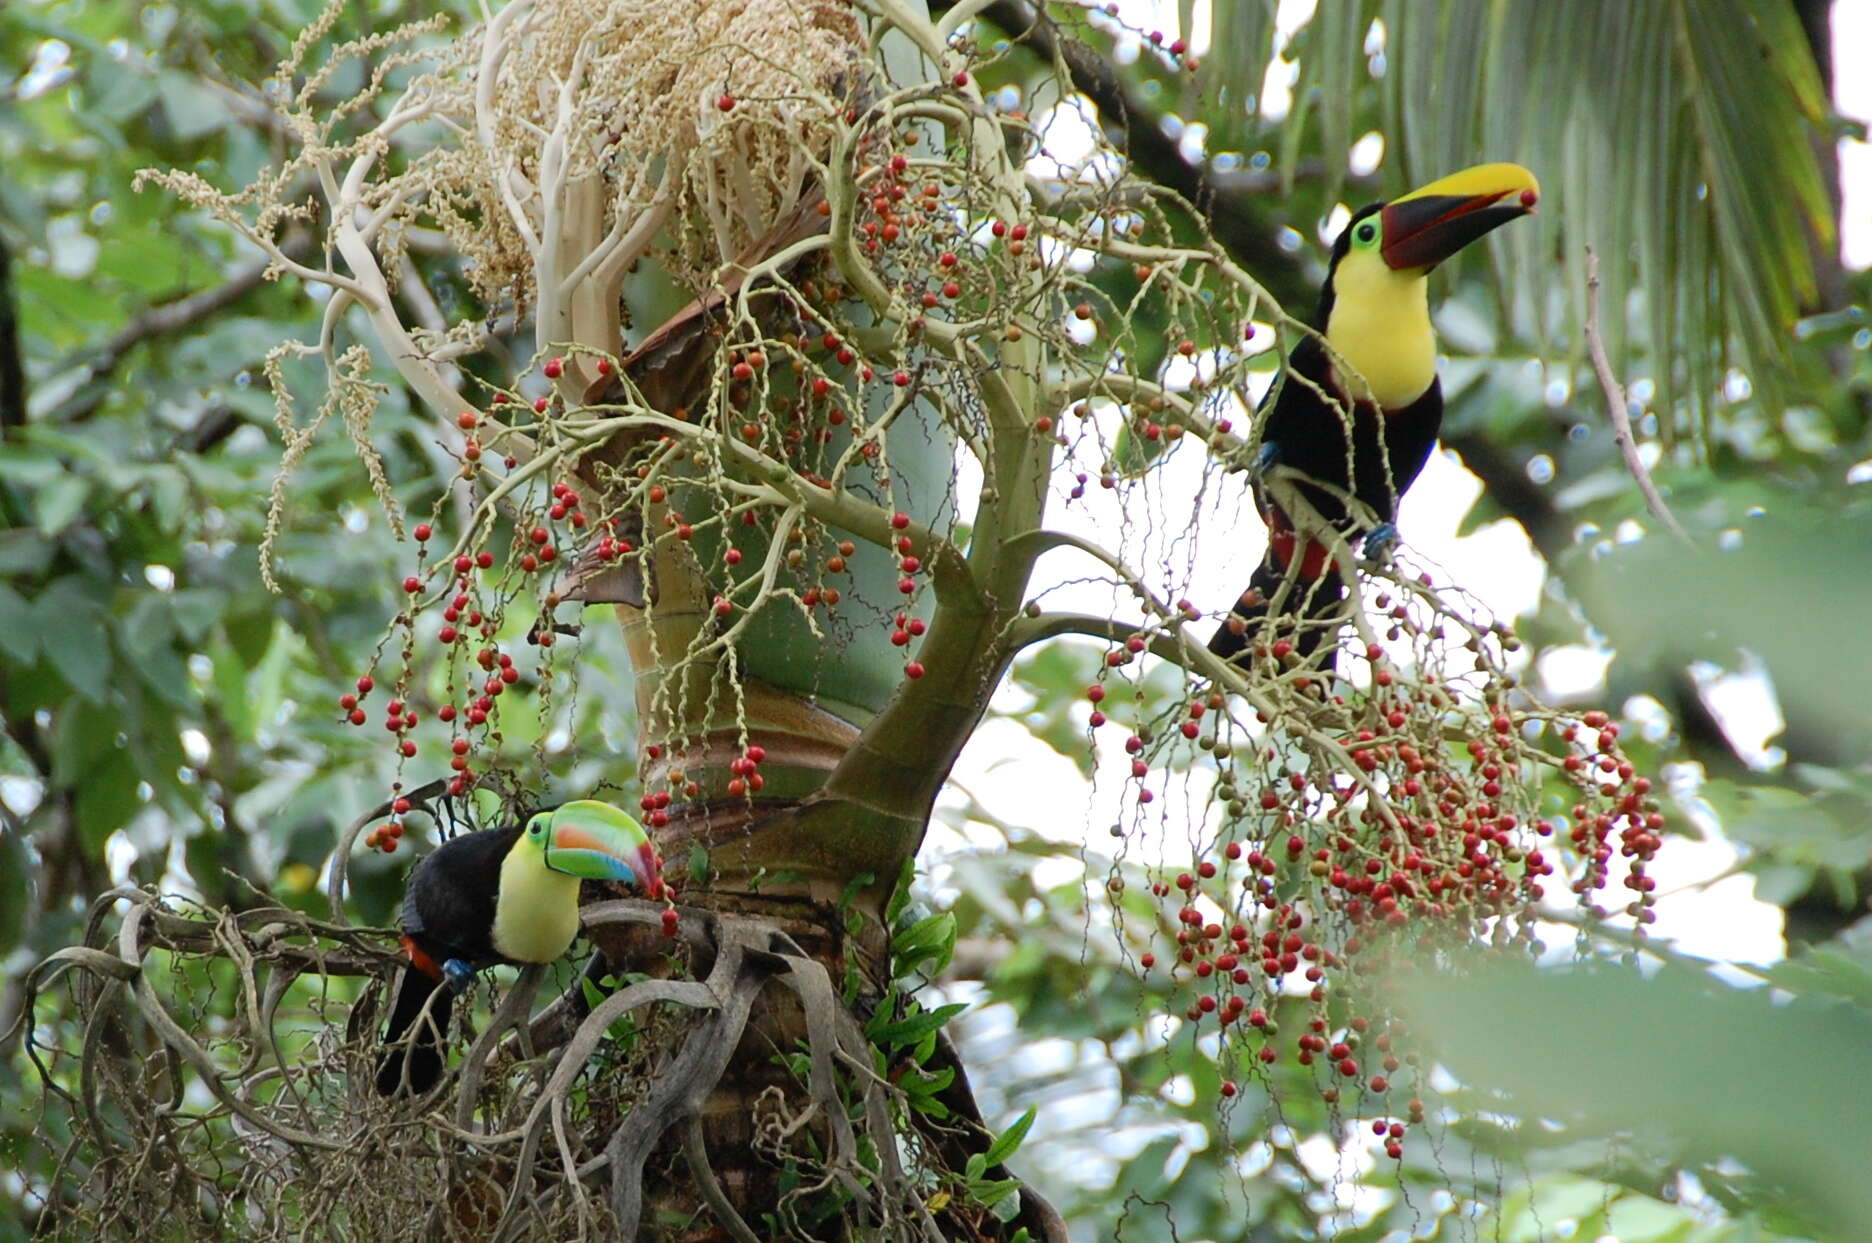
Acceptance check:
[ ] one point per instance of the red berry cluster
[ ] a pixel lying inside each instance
(1374, 840)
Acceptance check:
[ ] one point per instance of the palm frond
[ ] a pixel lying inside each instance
(1674, 137)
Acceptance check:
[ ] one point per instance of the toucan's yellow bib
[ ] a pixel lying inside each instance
(536, 911)
(1380, 324)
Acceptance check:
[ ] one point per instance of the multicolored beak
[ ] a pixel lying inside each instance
(596, 841)
(1430, 224)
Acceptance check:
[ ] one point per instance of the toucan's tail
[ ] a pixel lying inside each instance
(423, 1053)
(1308, 614)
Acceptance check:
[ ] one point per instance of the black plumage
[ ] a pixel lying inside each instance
(1388, 449)
(448, 912)
(1374, 313)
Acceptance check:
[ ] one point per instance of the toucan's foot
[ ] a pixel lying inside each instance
(1264, 459)
(1380, 540)
(458, 975)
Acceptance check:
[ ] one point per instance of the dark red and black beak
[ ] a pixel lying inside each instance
(1431, 223)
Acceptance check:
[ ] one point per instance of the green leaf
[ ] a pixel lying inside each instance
(1701, 1088)
(900, 896)
(59, 503)
(19, 636)
(15, 889)
(163, 672)
(23, 551)
(107, 798)
(623, 1029)
(30, 466)
(251, 635)
(921, 1083)
(197, 609)
(930, 940)
(1009, 1140)
(72, 635)
(194, 110)
(916, 1027)
(989, 1194)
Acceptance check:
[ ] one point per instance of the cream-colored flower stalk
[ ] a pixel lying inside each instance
(553, 146)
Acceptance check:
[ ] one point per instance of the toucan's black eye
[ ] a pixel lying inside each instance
(1366, 233)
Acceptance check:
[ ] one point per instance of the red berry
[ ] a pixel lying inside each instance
(914, 669)
(423, 531)
(554, 368)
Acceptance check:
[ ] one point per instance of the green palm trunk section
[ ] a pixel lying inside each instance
(855, 751)
(803, 679)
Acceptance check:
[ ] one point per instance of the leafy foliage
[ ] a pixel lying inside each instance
(169, 721)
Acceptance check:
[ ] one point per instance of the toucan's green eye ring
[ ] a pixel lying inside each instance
(537, 827)
(1366, 233)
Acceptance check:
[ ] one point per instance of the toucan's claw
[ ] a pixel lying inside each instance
(458, 975)
(1380, 540)
(1265, 457)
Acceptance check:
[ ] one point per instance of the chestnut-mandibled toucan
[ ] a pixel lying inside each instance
(1374, 312)
(500, 895)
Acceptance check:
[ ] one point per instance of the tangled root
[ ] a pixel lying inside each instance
(224, 1066)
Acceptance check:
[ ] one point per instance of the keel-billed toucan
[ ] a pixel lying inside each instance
(500, 895)
(1379, 375)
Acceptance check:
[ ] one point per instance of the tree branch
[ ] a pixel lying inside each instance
(1240, 227)
(1506, 481)
(1615, 406)
(160, 321)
